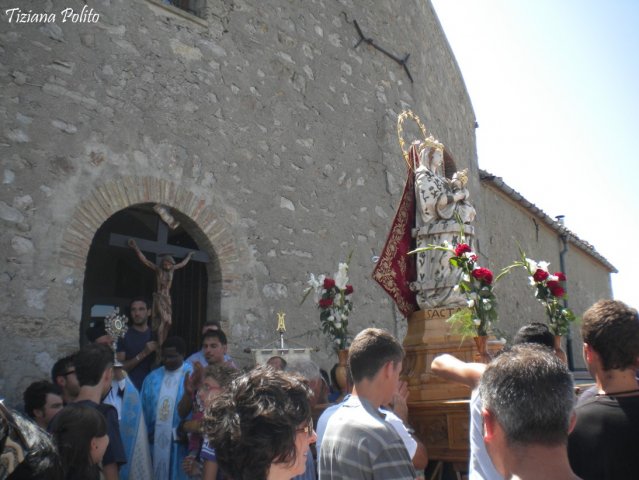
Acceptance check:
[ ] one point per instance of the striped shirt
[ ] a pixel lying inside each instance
(360, 444)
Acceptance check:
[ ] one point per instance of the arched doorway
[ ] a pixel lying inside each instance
(114, 274)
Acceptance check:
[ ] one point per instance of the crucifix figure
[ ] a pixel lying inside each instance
(162, 310)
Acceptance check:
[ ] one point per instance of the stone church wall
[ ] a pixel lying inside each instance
(504, 225)
(262, 123)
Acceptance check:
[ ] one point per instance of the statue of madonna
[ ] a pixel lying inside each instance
(441, 204)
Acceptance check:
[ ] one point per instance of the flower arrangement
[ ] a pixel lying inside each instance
(333, 298)
(476, 284)
(549, 290)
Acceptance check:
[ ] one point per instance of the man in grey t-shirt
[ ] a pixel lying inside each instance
(358, 442)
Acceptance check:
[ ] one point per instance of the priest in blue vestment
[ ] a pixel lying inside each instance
(161, 392)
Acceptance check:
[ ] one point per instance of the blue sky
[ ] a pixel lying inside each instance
(555, 89)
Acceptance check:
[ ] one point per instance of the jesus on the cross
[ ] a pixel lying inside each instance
(162, 310)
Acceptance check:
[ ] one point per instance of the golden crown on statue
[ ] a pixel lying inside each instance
(431, 142)
(461, 176)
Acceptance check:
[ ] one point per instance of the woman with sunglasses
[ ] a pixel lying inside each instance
(261, 427)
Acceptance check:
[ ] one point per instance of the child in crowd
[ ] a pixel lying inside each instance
(201, 461)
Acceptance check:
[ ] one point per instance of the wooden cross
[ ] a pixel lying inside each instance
(160, 246)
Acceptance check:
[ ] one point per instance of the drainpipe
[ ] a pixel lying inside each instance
(562, 267)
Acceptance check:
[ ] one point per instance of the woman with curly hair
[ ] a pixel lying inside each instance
(80, 432)
(261, 427)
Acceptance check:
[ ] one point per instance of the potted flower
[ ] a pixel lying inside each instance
(476, 285)
(333, 298)
(550, 291)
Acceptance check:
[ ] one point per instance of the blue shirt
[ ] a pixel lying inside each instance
(132, 344)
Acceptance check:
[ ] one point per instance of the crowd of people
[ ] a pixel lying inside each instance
(149, 411)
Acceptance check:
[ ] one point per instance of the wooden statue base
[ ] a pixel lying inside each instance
(438, 410)
(428, 336)
(443, 427)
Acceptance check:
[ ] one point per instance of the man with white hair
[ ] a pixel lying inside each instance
(311, 372)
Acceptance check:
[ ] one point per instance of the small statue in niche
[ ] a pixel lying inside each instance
(162, 310)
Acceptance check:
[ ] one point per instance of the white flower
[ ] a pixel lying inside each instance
(337, 324)
(532, 282)
(341, 277)
(445, 244)
(313, 282)
(543, 265)
(331, 318)
(456, 288)
(552, 278)
(487, 304)
(317, 285)
(532, 265)
(476, 321)
(466, 277)
(471, 303)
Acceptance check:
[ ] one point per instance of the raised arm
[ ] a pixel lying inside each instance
(400, 408)
(192, 382)
(183, 262)
(453, 369)
(140, 255)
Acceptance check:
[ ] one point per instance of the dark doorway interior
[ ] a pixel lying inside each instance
(114, 274)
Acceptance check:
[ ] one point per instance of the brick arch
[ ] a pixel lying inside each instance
(107, 199)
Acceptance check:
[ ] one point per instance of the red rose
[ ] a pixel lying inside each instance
(555, 289)
(560, 276)
(473, 258)
(329, 283)
(483, 275)
(540, 275)
(461, 248)
(348, 290)
(325, 302)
